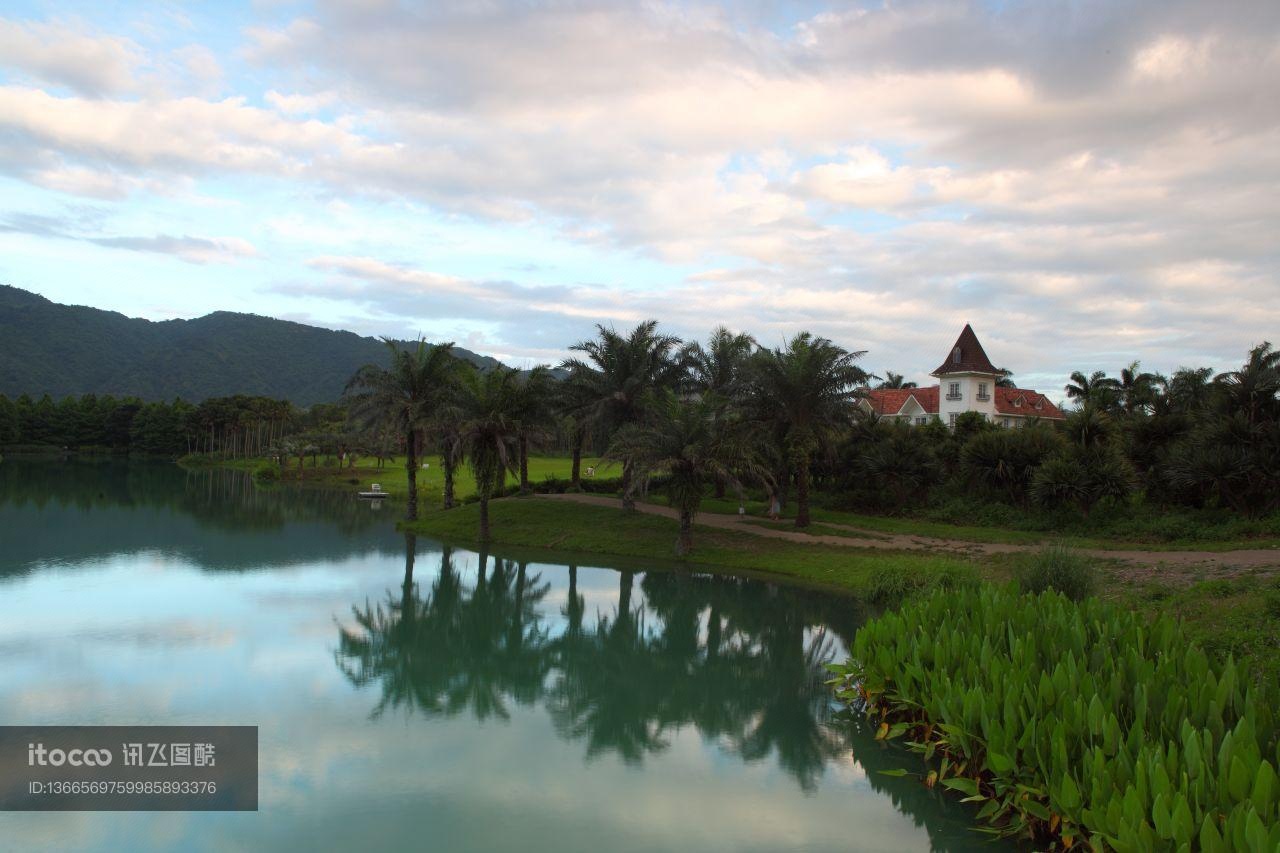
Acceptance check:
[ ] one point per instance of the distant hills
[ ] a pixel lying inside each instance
(62, 350)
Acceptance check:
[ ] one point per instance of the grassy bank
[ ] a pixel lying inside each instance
(561, 526)
(1229, 615)
(1152, 529)
(1235, 616)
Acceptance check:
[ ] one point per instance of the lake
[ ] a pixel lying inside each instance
(412, 695)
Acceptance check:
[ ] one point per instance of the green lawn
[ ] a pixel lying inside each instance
(561, 526)
(395, 480)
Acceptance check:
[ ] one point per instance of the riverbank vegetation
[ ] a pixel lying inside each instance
(1193, 457)
(1074, 722)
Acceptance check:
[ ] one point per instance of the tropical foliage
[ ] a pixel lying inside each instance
(1080, 723)
(685, 443)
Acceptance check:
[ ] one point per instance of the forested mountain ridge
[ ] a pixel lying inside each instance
(64, 350)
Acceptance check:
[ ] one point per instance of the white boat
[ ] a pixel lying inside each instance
(375, 492)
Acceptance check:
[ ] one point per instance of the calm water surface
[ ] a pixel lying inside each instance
(409, 695)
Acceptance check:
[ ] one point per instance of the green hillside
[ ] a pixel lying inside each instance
(62, 350)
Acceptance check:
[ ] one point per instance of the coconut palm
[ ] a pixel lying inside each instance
(405, 394)
(809, 389)
(619, 372)
(686, 442)
(895, 380)
(488, 412)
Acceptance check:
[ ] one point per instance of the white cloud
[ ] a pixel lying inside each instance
(1084, 174)
(65, 54)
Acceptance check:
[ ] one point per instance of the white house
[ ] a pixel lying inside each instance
(967, 383)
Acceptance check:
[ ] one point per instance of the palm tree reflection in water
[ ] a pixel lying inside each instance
(739, 660)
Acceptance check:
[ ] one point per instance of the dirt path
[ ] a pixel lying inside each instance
(1222, 562)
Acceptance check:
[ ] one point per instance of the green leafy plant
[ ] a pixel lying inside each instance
(1073, 723)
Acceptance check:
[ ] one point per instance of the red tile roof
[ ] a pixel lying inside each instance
(889, 401)
(1020, 401)
(967, 356)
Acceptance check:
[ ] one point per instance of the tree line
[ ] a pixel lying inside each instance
(238, 426)
(729, 414)
(708, 418)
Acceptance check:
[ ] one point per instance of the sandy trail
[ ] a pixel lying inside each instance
(1222, 562)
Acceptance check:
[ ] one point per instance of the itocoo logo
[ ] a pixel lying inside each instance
(37, 755)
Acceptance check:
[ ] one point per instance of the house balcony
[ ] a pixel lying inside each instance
(982, 398)
(953, 397)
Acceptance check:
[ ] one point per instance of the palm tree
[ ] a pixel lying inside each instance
(718, 372)
(536, 391)
(1006, 379)
(1255, 388)
(1137, 389)
(576, 400)
(895, 380)
(621, 372)
(489, 429)
(809, 388)
(1096, 388)
(405, 394)
(1191, 388)
(718, 368)
(686, 442)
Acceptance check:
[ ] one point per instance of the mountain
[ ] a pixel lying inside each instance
(62, 350)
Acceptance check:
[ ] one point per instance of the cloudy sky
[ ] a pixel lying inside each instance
(1086, 182)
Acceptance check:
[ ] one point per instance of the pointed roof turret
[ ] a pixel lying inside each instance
(967, 356)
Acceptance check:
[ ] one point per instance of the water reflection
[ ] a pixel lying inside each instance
(740, 661)
(656, 710)
(73, 511)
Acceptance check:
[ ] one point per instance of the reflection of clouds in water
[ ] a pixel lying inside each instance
(695, 800)
(121, 642)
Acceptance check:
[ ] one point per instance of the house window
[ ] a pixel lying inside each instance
(955, 355)
(921, 421)
(953, 390)
(1007, 422)
(982, 391)
(951, 420)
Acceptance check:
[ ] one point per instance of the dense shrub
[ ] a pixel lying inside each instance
(1080, 722)
(1081, 477)
(893, 467)
(1058, 568)
(1006, 460)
